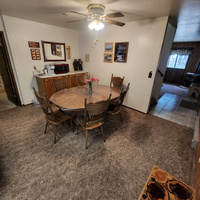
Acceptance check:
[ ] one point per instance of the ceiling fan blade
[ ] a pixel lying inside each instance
(79, 13)
(114, 22)
(113, 15)
(75, 21)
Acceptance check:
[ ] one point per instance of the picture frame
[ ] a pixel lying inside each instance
(35, 54)
(108, 57)
(109, 47)
(121, 52)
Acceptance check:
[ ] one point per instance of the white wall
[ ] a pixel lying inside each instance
(169, 37)
(1, 24)
(145, 41)
(19, 32)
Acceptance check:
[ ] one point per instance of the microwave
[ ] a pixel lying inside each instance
(61, 68)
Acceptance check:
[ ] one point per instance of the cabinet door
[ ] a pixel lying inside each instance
(68, 81)
(80, 78)
(73, 81)
(49, 87)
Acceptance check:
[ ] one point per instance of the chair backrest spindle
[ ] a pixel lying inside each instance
(95, 112)
(59, 84)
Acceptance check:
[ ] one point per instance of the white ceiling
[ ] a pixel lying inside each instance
(185, 12)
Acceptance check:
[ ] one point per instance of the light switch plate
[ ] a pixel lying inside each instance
(87, 58)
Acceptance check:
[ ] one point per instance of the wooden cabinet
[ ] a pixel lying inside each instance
(45, 85)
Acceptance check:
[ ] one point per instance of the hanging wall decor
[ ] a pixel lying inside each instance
(108, 57)
(109, 47)
(35, 54)
(121, 51)
(34, 44)
(68, 52)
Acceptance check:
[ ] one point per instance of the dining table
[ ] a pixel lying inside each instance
(74, 98)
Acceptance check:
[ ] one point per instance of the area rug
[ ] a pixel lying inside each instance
(188, 104)
(174, 89)
(162, 185)
(32, 167)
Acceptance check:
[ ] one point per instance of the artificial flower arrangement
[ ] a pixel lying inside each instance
(89, 81)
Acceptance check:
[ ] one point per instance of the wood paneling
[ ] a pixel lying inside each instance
(174, 75)
(191, 65)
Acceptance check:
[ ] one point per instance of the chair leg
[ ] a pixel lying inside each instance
(102, 134)
(54, 134)
(77, 130)
(72, 125)
(121, 117)
(46, 128)
(86, 137)
(115, 119)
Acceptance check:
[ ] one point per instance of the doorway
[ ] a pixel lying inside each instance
(9, 96)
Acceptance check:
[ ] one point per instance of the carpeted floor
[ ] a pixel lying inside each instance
(174, 89)
(32, 167)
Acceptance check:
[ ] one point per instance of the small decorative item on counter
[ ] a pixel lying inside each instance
(38, 72)
(90, 81)
(77, 64)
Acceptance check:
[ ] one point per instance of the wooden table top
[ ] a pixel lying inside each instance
(74, 98)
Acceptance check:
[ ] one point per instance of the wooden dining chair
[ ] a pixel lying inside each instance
(115, 107)
(80, 78)
(59, 84)
(94, 115)
(52, 118)
(116, 82)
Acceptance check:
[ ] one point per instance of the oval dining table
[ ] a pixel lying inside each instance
(74, 98)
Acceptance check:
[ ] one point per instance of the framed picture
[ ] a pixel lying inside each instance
(108, 57)
(109, 47)
(121, 51)
(35, 54)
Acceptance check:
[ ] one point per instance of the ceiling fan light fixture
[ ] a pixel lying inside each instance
(96, 25)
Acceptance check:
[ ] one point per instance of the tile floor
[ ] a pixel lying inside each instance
(168, 108)
(4, 102)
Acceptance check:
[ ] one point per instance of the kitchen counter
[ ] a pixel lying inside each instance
(58, 75)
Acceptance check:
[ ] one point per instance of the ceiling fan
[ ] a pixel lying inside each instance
(96, 16)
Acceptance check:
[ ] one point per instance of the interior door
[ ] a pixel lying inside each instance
(6, 77)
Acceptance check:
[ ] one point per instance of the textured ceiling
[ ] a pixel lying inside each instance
(185, 12)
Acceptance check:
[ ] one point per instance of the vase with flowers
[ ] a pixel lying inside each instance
(90, 81)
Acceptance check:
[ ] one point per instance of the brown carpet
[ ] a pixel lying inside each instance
(32, 167)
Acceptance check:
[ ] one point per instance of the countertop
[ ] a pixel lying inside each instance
(57, 75)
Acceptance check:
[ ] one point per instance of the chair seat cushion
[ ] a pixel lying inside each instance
(91, 126)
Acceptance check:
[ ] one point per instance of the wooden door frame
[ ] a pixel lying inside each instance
(10, 69)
